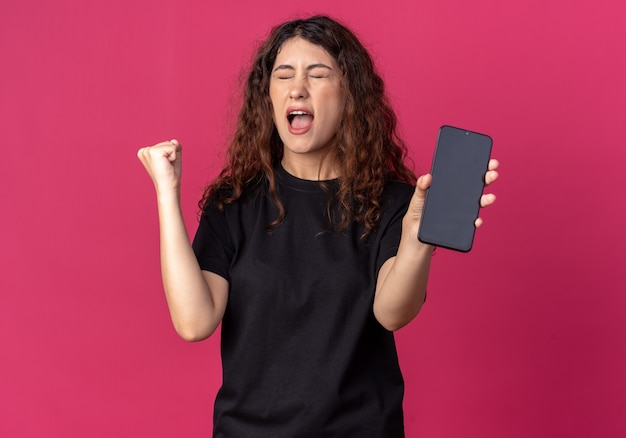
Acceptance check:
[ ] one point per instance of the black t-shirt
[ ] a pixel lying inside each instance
(302, 353)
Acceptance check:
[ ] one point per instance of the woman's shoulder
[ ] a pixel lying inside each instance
(224, 197)
(398, 190)
(227, 192)
(396, 197)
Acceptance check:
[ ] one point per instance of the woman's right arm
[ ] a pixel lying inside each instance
(196, 299)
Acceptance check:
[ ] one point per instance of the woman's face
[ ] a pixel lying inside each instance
(308, 100)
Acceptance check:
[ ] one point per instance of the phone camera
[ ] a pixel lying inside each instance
(466, 132)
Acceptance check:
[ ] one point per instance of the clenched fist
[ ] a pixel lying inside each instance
(163, 162)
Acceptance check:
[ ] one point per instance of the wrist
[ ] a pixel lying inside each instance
(410, 242)
(168, 196)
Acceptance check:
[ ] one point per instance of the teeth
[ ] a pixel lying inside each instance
(298, 113)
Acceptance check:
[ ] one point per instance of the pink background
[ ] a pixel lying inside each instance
(523, 337)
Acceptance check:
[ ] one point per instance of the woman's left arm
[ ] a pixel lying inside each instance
(402, 280)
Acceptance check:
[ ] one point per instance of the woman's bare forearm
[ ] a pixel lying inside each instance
(402, 283)
(195, 308)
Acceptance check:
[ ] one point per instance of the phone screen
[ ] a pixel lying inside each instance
(453, 198)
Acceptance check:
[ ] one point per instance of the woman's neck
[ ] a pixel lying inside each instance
(303, 167)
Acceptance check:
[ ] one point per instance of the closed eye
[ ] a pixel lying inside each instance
(314, 71)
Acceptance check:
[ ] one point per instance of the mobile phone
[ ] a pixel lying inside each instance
(453, 199)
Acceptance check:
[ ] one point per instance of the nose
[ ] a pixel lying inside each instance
(298, 90)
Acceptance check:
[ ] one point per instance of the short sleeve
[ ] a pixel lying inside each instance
(395, 204)
(212, 243)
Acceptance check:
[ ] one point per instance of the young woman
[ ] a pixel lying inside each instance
(307, 250)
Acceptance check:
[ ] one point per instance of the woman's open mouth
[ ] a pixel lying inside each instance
(300, 121)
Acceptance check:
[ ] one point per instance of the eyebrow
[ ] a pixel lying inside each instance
(309, 68)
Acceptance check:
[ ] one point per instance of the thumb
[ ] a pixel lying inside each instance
(423, 183)
(176, 153)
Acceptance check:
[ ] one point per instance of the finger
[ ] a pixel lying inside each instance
(142, 154)
(144, 157)
(165, 149)
(487, 200)
(176, 152)
(423, 183)
(478, 222)
(491, 176)
(493, 164)
(172, 154)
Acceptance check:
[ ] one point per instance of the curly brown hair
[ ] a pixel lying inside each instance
(369, 151)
